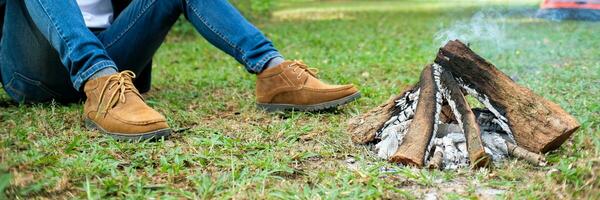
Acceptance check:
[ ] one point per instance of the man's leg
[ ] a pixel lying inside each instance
(30, 67)
(140, 29)
(288, 86)
(223, 26)
(79, 50)
(138, 32)
(113, 104)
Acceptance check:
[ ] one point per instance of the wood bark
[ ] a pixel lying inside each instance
(416, 141)
(537, 124)
(363, 128)
(477, 156)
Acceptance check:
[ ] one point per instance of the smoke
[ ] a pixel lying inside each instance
(486, 27)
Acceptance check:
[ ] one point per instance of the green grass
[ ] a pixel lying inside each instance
(233, 150)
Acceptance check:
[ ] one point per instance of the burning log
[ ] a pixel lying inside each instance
(434, 116)
(537, 124)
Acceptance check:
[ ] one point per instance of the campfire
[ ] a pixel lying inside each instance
(431, 124)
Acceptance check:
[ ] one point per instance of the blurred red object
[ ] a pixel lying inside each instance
(570, 10)
(578, 4)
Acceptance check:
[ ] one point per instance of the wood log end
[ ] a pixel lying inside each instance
(437, 159)
(479, 159)
(554, 144)
(548, 134)
(522, 153)
(407, 160)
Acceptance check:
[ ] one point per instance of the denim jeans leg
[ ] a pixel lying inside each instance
(40, 35)
(137, 33)
(2, 9)
(79, 49)
(140, 29)
(223, 26)
(30, 67)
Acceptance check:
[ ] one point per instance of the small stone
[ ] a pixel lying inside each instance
(365, 74)
(552, 171)
(350, 160)
(430, 196)
(387, 170)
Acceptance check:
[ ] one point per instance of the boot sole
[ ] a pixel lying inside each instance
(152, 135)
(308, 108)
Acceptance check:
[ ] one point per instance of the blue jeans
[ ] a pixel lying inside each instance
(47, 52)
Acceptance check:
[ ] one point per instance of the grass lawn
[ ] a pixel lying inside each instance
(228, 149)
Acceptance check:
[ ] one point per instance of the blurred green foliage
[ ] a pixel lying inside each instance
(255, 9)
(261, 9)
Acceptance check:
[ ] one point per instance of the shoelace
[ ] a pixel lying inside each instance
(298, 64)
(123, 83)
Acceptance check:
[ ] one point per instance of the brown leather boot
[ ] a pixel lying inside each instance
(293, 86)
(116, 108)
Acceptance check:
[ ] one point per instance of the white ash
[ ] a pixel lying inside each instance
(391, 138)
(455, 112)
(494, 145)
(405, 109)
(489, 123)
(492, 135)
(455, 156)
(391, 120)
(451, 139)
(454, 150)
(408, 97)
(485, 119)
(394, 130)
